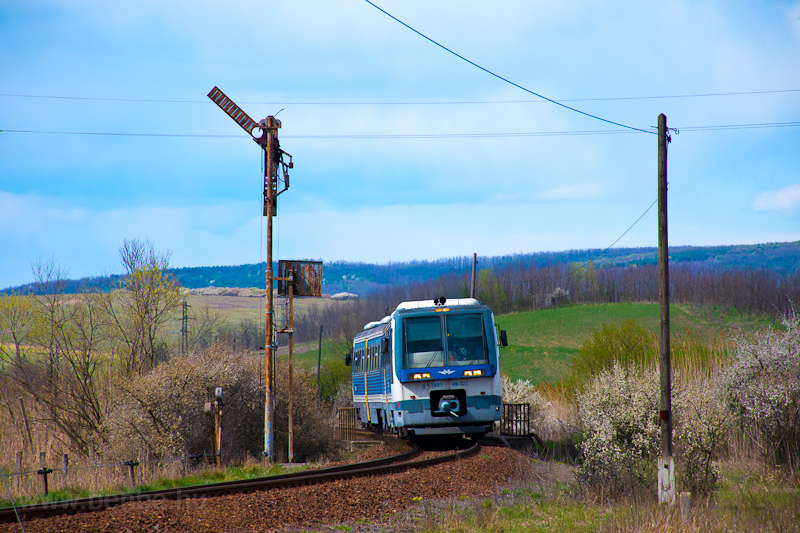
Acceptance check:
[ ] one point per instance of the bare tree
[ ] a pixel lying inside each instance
(146, 300)
(60, 360)
(16, 320)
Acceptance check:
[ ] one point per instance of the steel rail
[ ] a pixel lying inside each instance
(311, 477)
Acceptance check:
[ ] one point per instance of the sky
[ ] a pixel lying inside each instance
(401, 149)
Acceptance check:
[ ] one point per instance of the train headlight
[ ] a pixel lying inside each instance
(472, 373)
(426, 375)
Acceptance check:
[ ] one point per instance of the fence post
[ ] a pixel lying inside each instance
(43, 470)
(131, 464)
(65, 461)
(18, 467)
(27, 425)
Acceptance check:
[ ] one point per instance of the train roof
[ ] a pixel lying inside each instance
(422, 304)
(370, 330)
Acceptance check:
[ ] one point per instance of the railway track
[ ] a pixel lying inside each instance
(376, 467)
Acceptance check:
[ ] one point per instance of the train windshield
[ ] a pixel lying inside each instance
(463, 341)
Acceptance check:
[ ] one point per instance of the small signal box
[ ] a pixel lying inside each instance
(306, 278)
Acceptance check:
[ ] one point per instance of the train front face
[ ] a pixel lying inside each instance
(447, 368)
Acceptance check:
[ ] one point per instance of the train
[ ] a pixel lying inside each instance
(430, 368)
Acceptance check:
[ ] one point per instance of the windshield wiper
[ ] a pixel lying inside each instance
(432, 358)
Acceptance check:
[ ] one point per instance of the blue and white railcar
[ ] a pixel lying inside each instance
(432, 367)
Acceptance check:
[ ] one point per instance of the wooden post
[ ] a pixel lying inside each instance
(474, 271)
(218, 424)
(65, 463)
(27, 425)
(665, 464)
(319, 362)
(131, 465)
(43, 471)
(18, 467)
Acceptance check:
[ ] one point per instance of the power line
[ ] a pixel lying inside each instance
(421, 135)
(583, 267)
(621, 236)
(505, 79)
(111, 134)
(401, 103)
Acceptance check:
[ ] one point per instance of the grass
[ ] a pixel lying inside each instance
(543, 343)
(238, 308)
(78, 481)
(750, 499)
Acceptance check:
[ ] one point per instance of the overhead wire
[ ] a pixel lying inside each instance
(621, 236)
(399, 103)
(721, 127)
(505, 79)
(583, 266)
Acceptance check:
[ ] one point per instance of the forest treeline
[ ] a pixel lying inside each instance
(519, 287)
(364, 278)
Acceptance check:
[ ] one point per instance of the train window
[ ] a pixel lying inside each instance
(422, 342)
(360, 360)
(466, 340)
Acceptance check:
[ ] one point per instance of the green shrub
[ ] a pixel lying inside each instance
(626, 344)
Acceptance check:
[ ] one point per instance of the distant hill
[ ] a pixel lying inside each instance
(363, 278)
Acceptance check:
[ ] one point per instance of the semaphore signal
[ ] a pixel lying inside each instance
(273, 162)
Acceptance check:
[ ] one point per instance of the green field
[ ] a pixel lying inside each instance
(542, 343)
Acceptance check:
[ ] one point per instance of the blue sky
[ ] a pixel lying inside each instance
(341, 68)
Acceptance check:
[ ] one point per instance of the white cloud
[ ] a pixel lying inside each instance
(786, 199)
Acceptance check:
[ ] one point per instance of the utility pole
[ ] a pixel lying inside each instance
(474, 269)
(273, 158)
(665, 463)
(185, 329)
